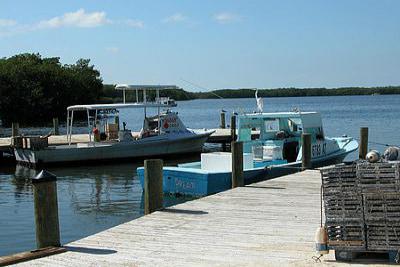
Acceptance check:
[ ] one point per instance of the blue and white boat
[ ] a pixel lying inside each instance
(276, 151)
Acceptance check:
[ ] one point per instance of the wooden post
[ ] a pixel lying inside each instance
(363, 150)
(306, 151)
(153, 185)
(116, 120)
(56, 130)
(222, 120)
(14, 129)
(233, 128)
(237, 164)
(222, 126)
(46, 210)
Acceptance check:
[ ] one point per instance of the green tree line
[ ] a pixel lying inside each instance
(33, 90)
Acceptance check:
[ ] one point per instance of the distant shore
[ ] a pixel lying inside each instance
(110, 95)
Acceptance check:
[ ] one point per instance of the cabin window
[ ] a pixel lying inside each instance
(271, 125)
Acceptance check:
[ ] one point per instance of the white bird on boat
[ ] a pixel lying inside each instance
(260, 103)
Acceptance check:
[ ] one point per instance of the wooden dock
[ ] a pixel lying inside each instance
(263, 224)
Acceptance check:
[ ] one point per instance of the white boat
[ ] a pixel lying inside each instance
(161, 134)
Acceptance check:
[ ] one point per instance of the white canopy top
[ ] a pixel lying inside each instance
(144, 87)
(115, 106)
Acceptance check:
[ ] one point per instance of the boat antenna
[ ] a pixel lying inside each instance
(202, 87)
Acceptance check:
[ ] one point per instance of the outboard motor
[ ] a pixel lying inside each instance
(392, 153)
(373, 156)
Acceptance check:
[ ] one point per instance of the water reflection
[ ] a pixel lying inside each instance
(22, 182)
(90, 199)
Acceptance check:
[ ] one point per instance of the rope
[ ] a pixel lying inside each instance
(202, 87)
(321, 203)
(377, 143)
(317, 259)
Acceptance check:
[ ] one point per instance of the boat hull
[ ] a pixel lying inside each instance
(100, 152)
(196, 182)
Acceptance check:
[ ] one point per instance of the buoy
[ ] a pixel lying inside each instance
(373, 156)
(392, 153)
(321, 241)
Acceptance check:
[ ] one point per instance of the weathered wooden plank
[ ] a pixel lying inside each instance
(30, 255)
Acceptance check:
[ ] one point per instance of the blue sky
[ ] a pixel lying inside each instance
(214, 43)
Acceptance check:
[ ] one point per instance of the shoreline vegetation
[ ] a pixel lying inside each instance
(181, 94)
(33, 89)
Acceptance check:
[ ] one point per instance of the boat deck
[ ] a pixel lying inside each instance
(264, 224)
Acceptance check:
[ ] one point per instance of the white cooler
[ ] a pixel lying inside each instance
(222, 161)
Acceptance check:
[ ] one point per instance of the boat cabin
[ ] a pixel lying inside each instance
(279, 134)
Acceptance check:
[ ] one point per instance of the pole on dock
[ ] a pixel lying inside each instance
(56, 130)
(363, 150)
(233, 128)
(223, 126)
(237, 164)
(306, 151)
(14, 129)
(222, 120)
(46, 210)
(153, 185)
(116, 121)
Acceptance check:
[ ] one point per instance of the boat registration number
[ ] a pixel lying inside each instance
(184, 184)
(318, 149)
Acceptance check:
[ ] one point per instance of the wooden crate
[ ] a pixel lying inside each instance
(377, 177)
(382, 207)
(343, 206)
(383, 236)
(362, 206)
(346, 235)
(338, 179)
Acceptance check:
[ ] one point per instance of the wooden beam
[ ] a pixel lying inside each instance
(30, 255)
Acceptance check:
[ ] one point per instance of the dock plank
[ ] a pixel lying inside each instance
(263, 224)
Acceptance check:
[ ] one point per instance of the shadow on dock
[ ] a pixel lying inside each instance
(97, 251)
(266, 187)
(182, 211)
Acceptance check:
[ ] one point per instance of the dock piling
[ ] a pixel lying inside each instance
(14, 129)
(153, 185)
(222, 126)
(233, 128)
(46, 210)
(237, 164)
(222, 120)
(56, 130)
(363, 150)
(306, 151)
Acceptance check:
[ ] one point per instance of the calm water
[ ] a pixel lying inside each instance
(94, 198)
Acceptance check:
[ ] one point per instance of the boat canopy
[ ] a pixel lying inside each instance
(115, 106)
(144, 89)
(141, 102)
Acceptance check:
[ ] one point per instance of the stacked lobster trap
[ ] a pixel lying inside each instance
(362, 206)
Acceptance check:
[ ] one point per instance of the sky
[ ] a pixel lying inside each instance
(210, 44)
